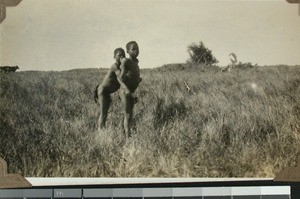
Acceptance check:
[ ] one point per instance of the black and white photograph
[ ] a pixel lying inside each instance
(150, 88)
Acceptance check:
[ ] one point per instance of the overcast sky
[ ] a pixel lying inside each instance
(67, 34)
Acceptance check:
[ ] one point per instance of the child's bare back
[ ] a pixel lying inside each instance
(110, 83)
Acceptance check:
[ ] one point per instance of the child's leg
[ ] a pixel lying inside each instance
(104, 101)
(128, 104)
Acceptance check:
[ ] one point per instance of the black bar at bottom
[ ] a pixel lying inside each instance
(246, 197)
(295, 191)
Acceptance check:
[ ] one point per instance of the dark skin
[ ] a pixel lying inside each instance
(124, 74)
(130, 75)
(110, 84)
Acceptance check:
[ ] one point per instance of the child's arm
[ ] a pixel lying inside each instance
(123, 86)
(108, 74)
(120, 80)
(123, 69)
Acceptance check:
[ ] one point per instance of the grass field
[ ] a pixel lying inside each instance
(190, 121)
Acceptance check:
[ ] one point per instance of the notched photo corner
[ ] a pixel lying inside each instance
(11, 180)
(295, 2)
(4, 4)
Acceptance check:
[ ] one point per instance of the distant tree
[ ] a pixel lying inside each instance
(233, 58)
(200, 54)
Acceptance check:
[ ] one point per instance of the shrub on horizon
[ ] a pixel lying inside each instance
(199, 53)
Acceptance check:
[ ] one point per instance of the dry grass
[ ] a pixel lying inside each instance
(239, 124)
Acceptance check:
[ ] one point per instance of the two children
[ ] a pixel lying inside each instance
(123, 74)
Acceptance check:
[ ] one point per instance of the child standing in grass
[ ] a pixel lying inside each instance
(110, 84)
(130, 75)
(124, 74)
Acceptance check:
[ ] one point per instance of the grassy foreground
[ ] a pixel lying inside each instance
(190, 121)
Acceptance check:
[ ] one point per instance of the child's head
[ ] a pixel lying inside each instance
(119, 53)
(132, 49)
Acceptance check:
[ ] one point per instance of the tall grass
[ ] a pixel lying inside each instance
(239, 124)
